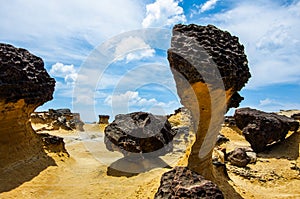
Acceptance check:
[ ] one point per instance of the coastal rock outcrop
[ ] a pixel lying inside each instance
(183, 183)
(209, 67)
(56, 119)
(139, 133)
(24, 85)
(261, 129)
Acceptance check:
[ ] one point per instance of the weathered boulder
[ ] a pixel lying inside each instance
(238, 157)
(182, 183)
(24, 85)
(209, 67)
(261, 129)
(139, 133)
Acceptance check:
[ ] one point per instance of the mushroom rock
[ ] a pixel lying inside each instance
(24, 85)
(209, 67)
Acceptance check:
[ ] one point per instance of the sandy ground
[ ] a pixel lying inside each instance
(89, 172)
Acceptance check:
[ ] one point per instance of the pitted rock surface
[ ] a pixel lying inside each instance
(23, 76)
(209, 66)
(261, 128)
(139, 133)
(24, 85)
(212, 47)
(182, 183)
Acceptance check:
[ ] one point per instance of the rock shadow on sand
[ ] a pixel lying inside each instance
(129, 167)
(288, 149)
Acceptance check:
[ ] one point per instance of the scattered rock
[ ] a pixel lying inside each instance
(56, 119)
(261, 129)
(238, 157)
(24, 85)
(221, 139)
(182, 183)
(229, 121)
(139, 133)
(209, 67)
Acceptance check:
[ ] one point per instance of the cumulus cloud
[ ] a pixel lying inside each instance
(269, 31)
(68, 72)
(122, 102)
(67, 29)
(133, 48)
(208, 5)
(162, 13)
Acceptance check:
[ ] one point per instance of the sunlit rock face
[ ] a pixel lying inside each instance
(24, 85)
(209, 67)
(261, 129)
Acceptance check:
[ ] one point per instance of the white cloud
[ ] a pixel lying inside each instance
(162, 13)
(122, 103)
(270, 34)
(272, 105)
(208, 5)
(127, 47)
(68, 72)
(66, 30)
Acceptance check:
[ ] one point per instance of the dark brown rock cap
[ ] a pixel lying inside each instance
(23, 76)
(182, 183)
(261, 129)
(139, 133)
(206, 53)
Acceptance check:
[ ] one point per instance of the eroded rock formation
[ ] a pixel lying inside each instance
(182, 183)
(103, 119)
(209, 67)
(24, 85)
(139, 133)
(56, 119)
(261, 128)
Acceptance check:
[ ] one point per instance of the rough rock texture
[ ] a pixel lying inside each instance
(56, 119)
(238, 157)
(261, 128)
(209, 67)
(296, 116)
(24, 85)
(139, 133)
(182, 183)
(103, 119)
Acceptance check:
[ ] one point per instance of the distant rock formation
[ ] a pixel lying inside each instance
(209, 67)
(296, 116)
(138, 134)
(24, 85)
(56, 119)
(103, 119)
(182, 183)
(261, 129)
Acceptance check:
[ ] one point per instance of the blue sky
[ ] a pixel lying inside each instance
(72, 37)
